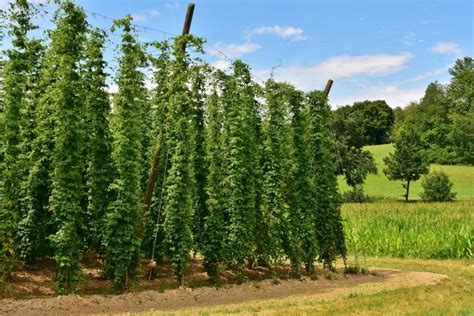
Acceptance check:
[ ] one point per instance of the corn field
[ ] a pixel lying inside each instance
(417, 230)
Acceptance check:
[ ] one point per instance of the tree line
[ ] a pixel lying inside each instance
(437, 129)
(246, 175)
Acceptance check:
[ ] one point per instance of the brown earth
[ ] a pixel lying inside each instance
(161, 293)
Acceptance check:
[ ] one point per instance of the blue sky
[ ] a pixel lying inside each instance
(372, 49)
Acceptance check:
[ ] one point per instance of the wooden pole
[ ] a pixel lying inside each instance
(157, 156)
(188, 19)
(328, 87)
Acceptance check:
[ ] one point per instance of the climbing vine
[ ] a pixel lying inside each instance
(68, 189)
(16, 99)
(241, 174)
(122, 245)
(328, 220)
(99, 165)
(276, 170)
(180, 182)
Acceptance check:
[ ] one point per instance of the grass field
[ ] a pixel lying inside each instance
(416, 230)
(379, 187)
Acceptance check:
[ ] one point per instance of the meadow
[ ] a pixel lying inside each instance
(390, 227)
(379, 188)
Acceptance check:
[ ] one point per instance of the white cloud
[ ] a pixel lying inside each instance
(154, 13)
(139, 17)
(143, 17)
(340, 67)
(409, 39)
(428, 74)
(233, 50)
(446, 48)
(349, 66)
(348, 73)
(174, 5)
(281, 31)
(394, 95)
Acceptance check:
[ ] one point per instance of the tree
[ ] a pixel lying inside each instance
(99, 164)
(461, 87)
(409, 160)
(461, 137)
(375, 118)
(401, 116)
(122, 245)
(461, 94)
(352, 161)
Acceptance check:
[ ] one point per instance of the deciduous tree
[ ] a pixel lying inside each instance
(409, 160)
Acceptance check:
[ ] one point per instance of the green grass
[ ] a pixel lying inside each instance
(379, 187)
(416, 230)
(452, 296)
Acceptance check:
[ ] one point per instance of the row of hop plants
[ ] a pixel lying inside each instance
(245, 176)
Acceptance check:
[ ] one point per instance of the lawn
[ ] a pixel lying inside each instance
(379, 187)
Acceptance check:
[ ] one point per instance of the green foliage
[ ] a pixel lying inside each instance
(302, 235)
(122, 246)
(418, 230)
(16, 98)
(199, 156)
(68, 189)
(409, 161)
(276, 169)
(246, 175)
(214, 225)
(461, 137)
(352, 160)
(328, 221)
(443, 115)
(356, 195)
(372, 121)
(461, 88)
(99, 165)
(437, 187)
(241, 161)
(180, 181)
(379, 187)
(154, 234)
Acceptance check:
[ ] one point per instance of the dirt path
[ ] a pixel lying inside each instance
(178, 299)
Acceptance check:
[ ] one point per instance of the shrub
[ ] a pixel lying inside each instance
(357, 195)
(437, 187)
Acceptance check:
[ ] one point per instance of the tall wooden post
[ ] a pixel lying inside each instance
(156, 158)
(328, 87)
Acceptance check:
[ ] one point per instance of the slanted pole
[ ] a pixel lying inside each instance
(156, 158)
(328, 87)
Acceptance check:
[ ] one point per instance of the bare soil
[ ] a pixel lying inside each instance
(31, 290)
